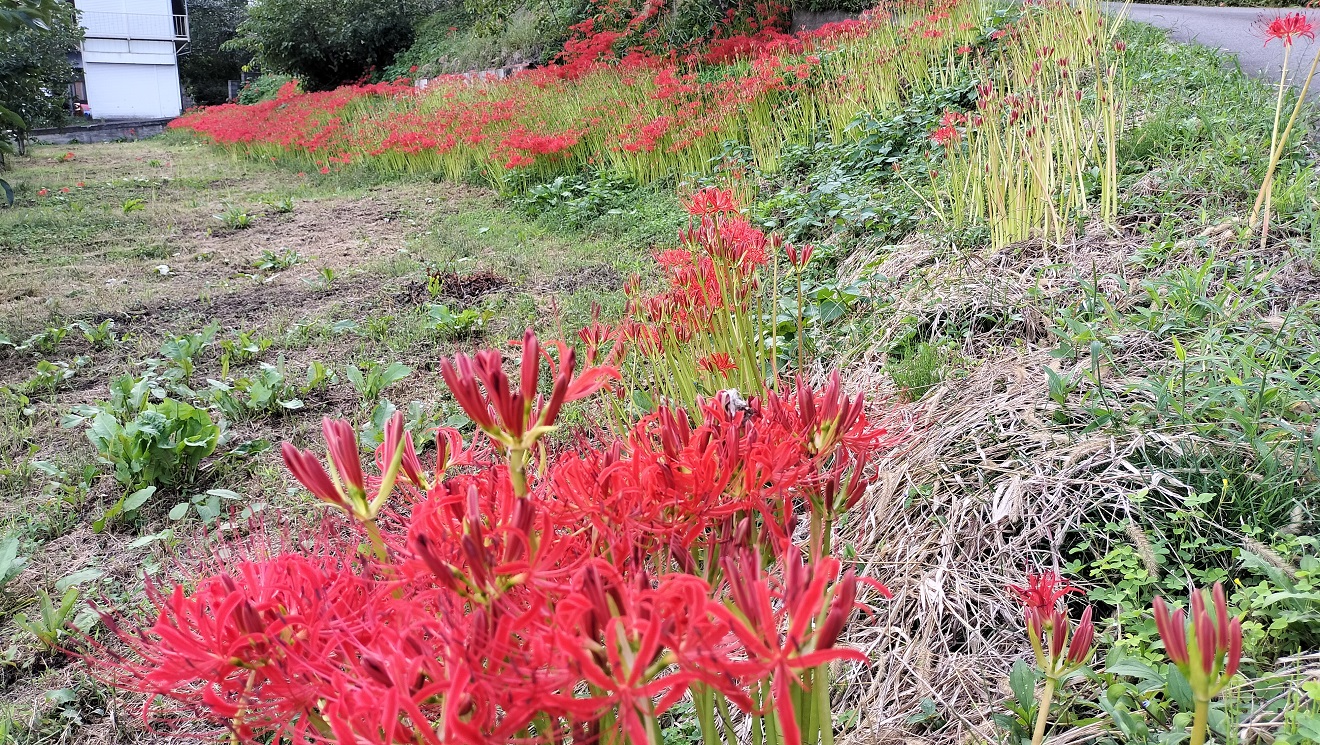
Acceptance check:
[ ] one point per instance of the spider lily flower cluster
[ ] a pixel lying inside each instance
(511, 591)
(1059, 651)
(614, 101)
(1206, 647)
(1049, 628)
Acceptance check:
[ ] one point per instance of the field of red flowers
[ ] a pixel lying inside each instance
(642, 114)
(1047, 113)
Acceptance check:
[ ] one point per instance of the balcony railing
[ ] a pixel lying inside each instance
(99, 25)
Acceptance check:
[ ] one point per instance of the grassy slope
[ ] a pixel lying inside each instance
(1067, 431)
(1002, 473)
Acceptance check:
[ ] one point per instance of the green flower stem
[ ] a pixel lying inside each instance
(377, 542)
(821, 688)
(1043, 715)
(1276, 147)
(1200, 721)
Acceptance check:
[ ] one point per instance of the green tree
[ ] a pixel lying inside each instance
(207, 65)
(15, 14)
(328, 42)
(34, 67)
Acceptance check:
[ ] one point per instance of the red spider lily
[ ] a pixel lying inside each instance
(1049, 628)
(239, 646)
(828, 419)
(575, 598)
(717, 364)
(501, 567)
(799, 257)
(598, 338)
(945, 136)
(510, 416)
(399, 443)
(618, 635)
(1043, 591)
(712, 202)
(1288, 28)
(781, 642)
(1208, 650)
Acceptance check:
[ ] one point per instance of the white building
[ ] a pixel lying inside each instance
(130, 57)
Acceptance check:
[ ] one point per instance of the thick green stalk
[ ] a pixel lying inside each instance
(377, 542)
(772, 734)
(803, 701)
(703, 700)
(799, 322)
(824, 718)
(1200, 721)
(1043, 714)
(518, 471)
(727, 718)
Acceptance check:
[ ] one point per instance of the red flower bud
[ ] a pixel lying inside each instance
(845, 597)
(308, 470)
(1079, 651)
(342, 446)
(395, 438)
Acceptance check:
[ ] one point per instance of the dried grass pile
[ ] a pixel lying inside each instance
(990, 483)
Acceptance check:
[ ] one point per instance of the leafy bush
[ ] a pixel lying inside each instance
(51, 626)
(35, 71)
(263, 88)
(450, 42)
(148, 445)
(452, 326)
(209, 65)
(277, 261)
(244, 348)
(162, 445)
(324, 43)
(269, 391)
(235, 218)
(181, 350)
(377, 377)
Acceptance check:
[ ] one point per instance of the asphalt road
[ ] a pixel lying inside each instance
(1237, 30)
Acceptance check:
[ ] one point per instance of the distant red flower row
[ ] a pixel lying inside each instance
(612, 97)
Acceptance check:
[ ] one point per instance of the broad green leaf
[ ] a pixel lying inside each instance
(82, 576)
(355, 378)
(1022, 679)
(138, 498)
(147, 540)
(1133, 668)
(392, 374)
(1179, 689)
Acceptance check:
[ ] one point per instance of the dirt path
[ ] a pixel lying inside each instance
(1239, 31)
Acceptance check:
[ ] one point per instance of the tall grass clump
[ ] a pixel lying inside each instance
(1039, 151)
